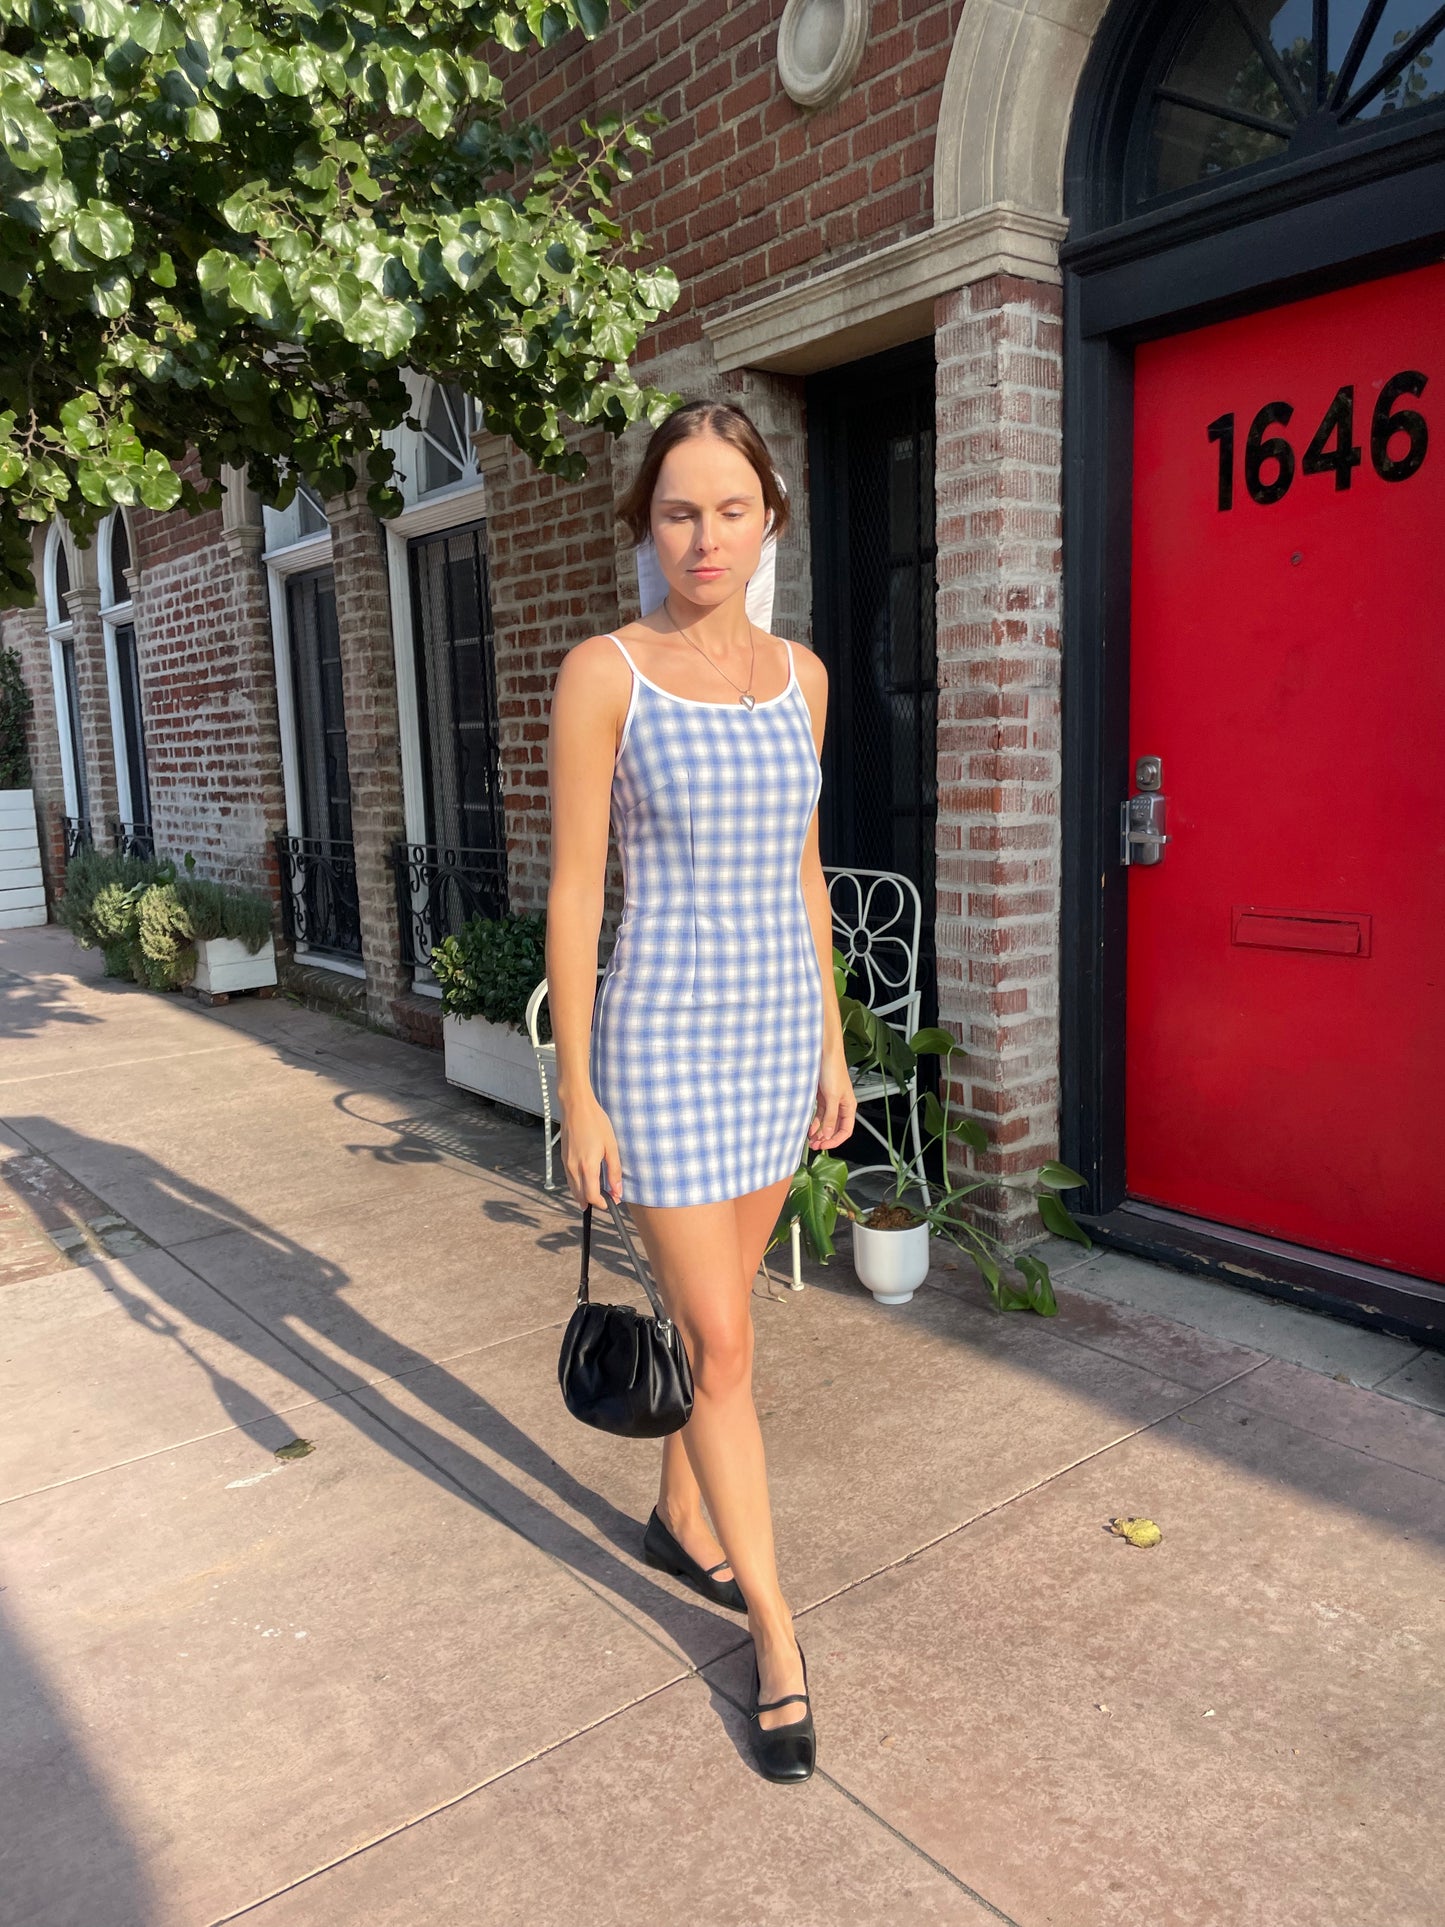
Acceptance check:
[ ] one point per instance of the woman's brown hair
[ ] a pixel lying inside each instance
(730, 424)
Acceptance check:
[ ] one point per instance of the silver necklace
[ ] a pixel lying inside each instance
(745, 696)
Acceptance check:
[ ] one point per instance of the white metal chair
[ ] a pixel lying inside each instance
(547, 1071)
(877, 918)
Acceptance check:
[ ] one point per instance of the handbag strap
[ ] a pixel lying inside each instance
(643, 1279)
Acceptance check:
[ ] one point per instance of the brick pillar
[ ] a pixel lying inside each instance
(373, 742)
(208, 689)
(248, 620)
(999, 361)
(550, 554)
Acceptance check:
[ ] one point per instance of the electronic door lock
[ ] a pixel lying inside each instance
(1142, 835)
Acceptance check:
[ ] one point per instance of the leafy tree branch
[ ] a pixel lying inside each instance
(227, 227)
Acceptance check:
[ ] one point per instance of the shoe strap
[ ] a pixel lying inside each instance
(771, 1706)
(710, 1570)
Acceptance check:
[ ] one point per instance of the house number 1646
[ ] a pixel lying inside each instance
(1269, 460)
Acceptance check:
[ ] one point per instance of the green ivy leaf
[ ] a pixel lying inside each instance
(104, 230)
(160, 486)
(111, 296)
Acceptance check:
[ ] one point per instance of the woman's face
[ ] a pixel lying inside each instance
(707, 519)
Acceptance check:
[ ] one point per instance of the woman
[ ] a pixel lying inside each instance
(716, 1049)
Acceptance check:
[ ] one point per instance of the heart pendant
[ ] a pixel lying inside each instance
(748, 700)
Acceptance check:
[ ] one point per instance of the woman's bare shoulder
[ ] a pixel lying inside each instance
(597, 664)
(812, 672)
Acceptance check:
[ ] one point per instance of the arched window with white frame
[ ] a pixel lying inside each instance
(60, 630)
(317, 855)
(453, 863)
(133, 831)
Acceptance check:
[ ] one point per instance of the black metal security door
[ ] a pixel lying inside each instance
(871, 461)
(138, 833)
(461, 870)
(456, 676)
(325, 767)
(77, 737)
(321, 902)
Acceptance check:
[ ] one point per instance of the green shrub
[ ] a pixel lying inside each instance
(215, 910)
(15, 706)
(146, 921)
(166, 952)
(99, 907)
(491, 967)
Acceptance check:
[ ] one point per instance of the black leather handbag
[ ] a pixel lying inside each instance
(620, 1369)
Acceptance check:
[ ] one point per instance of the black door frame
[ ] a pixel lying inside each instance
(899, 370)
(1259, 241)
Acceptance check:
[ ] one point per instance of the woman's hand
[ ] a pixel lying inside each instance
(837, 1106)
(588, 1140)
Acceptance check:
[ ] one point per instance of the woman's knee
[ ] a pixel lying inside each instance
(720, 1349)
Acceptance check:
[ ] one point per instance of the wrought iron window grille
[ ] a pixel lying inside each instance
(132, 839)
(319, 903)
(438, 889)
(77, 835)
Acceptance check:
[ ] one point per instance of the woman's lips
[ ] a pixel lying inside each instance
(707, 571)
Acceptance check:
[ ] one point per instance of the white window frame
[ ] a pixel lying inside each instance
(115, 611)
(58, 633)
(455, 506)
(287, 554)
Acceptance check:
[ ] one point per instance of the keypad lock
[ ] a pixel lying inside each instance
(1142, 835)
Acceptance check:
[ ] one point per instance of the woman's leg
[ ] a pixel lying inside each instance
(704, 1258)
(680, 1507)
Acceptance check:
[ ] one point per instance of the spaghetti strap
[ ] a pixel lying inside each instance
(623, 647)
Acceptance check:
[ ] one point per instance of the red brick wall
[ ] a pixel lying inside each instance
(746, 192)
(999, 346)
(551, 557)
(208, 683)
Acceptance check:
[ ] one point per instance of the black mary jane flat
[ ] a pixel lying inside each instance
(786, 1752)
(661, 1550)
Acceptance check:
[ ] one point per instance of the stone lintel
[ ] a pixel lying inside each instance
(885, 297)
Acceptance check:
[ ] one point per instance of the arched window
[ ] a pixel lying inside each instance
(1254, 83)
(60, 628)
(57, 581)
(132, 830)
(448, 425)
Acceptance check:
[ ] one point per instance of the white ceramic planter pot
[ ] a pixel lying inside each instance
(224, 964)
(493, 1060)
(892, 1264)
(22, 887)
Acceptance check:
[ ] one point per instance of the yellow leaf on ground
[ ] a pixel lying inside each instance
(1139, 1532)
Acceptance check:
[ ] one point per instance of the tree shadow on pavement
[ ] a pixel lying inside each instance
(66, 1858)
(303, 1318)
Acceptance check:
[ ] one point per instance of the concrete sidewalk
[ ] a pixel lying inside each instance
(418, 1676)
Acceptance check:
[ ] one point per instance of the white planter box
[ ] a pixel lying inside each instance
(892, 1264)
(493, 1060)
(22, 887)
(224, 964)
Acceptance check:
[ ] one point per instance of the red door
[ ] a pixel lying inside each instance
(1286, 957)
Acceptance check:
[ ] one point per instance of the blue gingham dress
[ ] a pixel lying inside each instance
(707, 1032)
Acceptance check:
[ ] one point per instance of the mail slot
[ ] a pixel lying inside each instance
(1330, 933)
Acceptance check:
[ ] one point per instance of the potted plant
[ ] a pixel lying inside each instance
(22, 886)
(231, 930)
(487, 971)
(891, 1240)
(165, 929)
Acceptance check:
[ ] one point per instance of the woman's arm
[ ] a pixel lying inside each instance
(589, 699)
(837, 1106)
